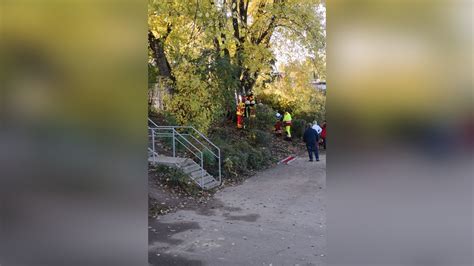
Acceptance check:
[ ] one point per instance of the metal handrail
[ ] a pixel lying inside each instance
(178, 134)
(151, 121)
(186, 144)
(188, 148)
(153, 153)
(198, 153)
(191, 127)
(196, 149)
(196, 131)
(202, 144)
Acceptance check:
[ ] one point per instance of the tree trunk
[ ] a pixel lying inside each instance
(248, 80)
(165, 74)
(158, 96)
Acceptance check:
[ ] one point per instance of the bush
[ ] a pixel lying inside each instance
(176, 178)
(210, 163)
(241, 157)
(265, 117)
(229, 168)
(235, 159)
(310, 117)
(255, 159)
(171, 176)
(231, 158)
(209, 158)
(259, 158)
(221, 134)
(298, 128)
(261, 138)
(269, 159)
(235, 164)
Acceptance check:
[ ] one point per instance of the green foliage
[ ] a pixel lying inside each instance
(261, 138)
(152, 74)
(259, 158)
(176, 178)
(210, 163)
(265, 117)
(222, 134)
(215, 50)
(294, 91)
(169, 119)
(298, 128)
(196, 101)
(248, 153)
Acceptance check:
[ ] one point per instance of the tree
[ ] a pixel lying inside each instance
(253, 25)
(216, 48)
(294, 90)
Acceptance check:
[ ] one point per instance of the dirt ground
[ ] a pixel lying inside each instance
(165, 198)
(276, 217)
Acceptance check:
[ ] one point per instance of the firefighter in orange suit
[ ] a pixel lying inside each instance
(240, 114)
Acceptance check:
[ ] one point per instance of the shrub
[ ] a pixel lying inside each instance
(209, 158)
(176, 178)
(298, 128)
(255, 159)
(261, 138)
(171, 176)
(265, 117)
(243, 156)
(210, 163)
(169, 119)
(268, 158)
(235, 164)
(236, 158)
(221, 134)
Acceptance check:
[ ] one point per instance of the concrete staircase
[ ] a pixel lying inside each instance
(191, 159)
(200, 176)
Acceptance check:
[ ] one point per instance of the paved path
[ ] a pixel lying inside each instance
(275, 218)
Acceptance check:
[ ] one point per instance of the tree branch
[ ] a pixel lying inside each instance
(235, 20)
(157, 47)
(243, 13)
(267, 33)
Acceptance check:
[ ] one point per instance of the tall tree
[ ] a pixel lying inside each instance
(214, 48)
(254, 23)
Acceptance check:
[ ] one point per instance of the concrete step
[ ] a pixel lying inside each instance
(198, 173)
(206, 179)
(211, 185)
(166, 160)
(187, 162)
(191, 168)
(209, 182)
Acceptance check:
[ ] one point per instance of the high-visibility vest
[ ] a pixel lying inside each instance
(287, 119)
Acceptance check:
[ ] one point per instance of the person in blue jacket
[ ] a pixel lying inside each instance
(311, 138)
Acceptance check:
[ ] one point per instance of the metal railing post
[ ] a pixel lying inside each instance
(153, 143)
(220, 170)
(200, 141)
(202, 169)
(174, 144)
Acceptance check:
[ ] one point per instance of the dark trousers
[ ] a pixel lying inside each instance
(312, 148)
